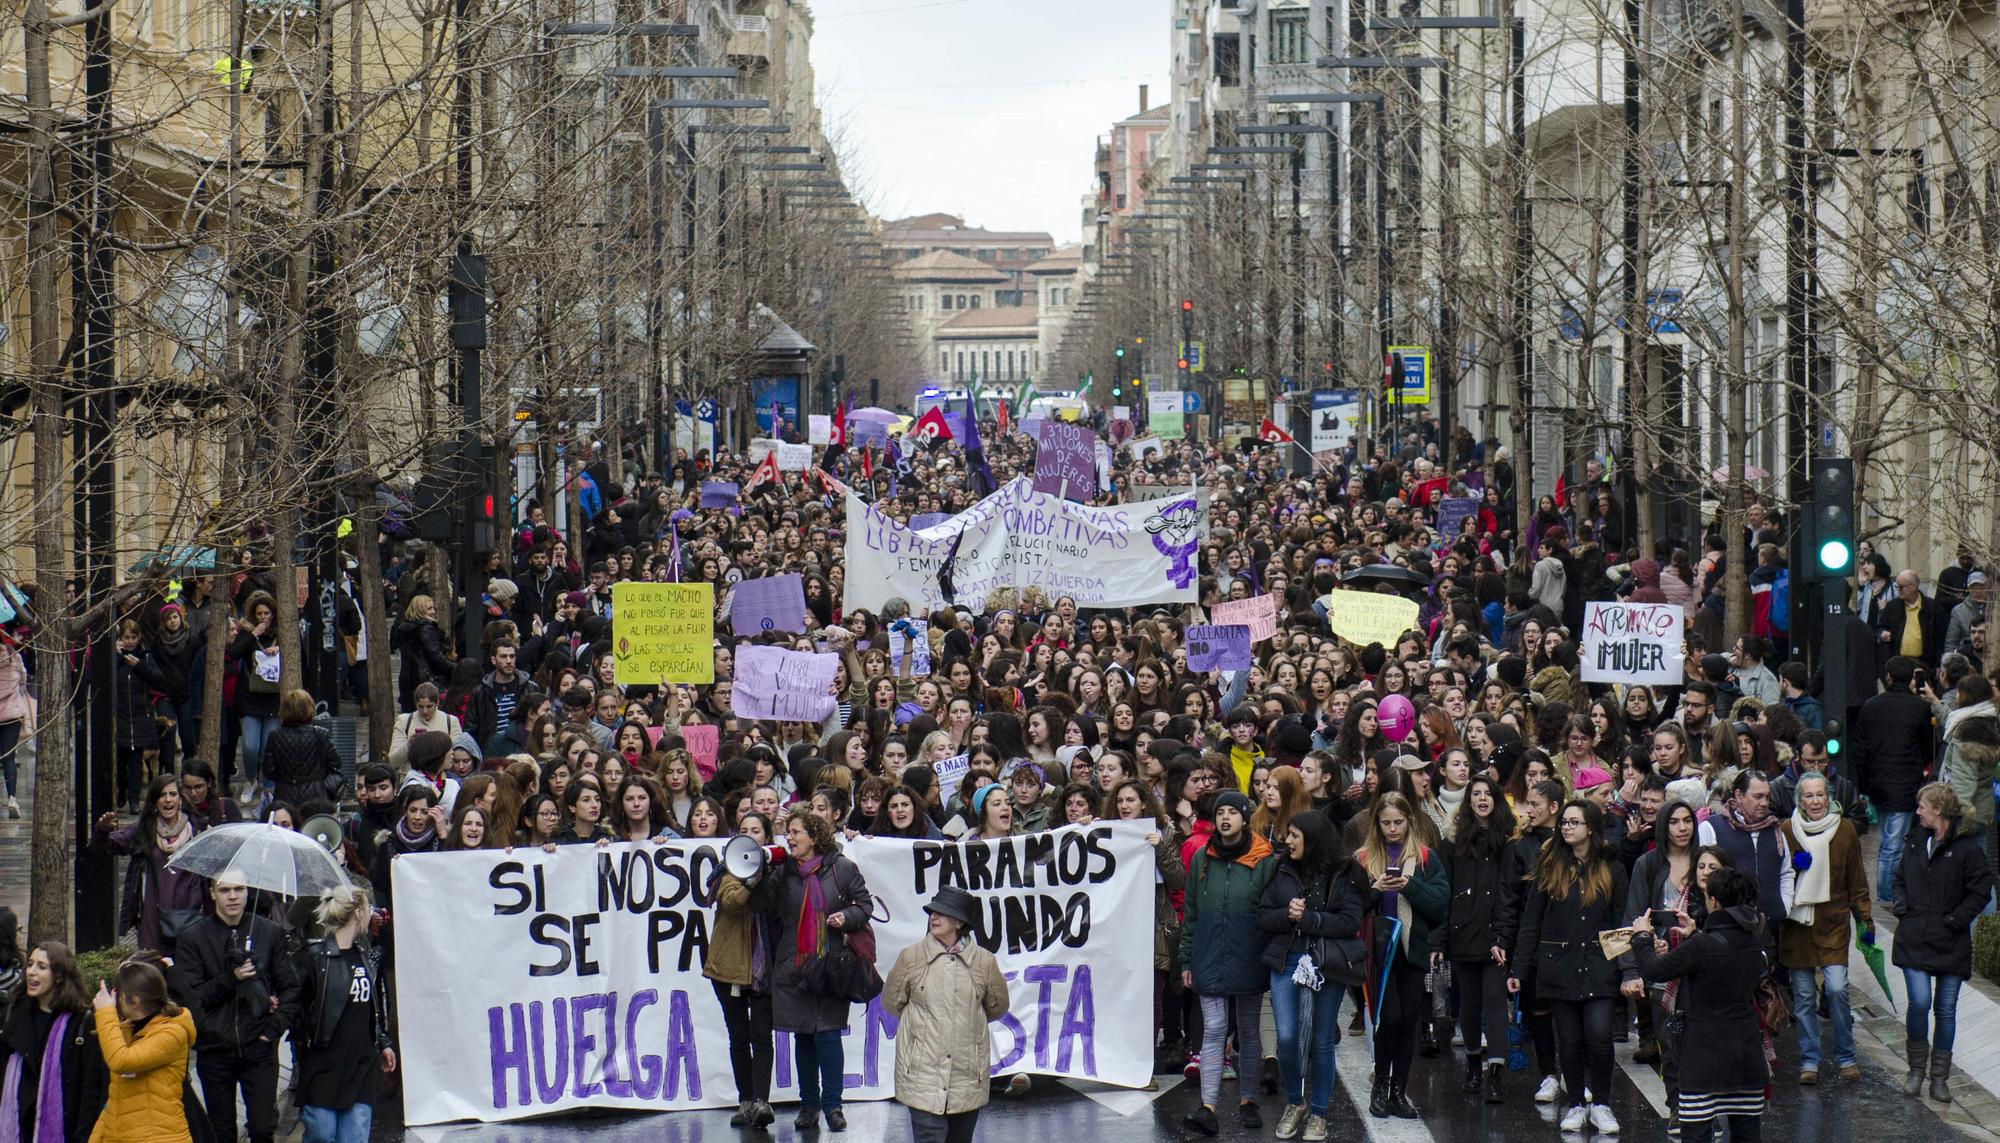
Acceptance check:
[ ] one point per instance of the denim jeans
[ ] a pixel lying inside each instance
(349, 1125)
(10, 737)
(1917, 1020)
(820, 1060)
(1289, 1003)
(1805, 1013)
(255, 730)
(1895, 831)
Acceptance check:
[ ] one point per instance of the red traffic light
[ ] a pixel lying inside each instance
(486, 505)
(1187, 305)
(1183, 363)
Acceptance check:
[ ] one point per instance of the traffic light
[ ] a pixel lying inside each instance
(1833, 517)
(1187, 305)
(1183, 363)
(1119, 352)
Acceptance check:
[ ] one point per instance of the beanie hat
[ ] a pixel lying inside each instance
(979, 799)
(577, 599)
(1513, 670)
(502, 590)
(1587, 776)
(1232, 800)
(1292, 740)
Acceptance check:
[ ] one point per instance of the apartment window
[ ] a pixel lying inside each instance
(1229, 59)
(975, 301)
(944, 361)
(961, 363)
(947, 302)
(1290, 40)
(1010, 365)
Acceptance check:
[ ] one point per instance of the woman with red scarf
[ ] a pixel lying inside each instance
(818, 896)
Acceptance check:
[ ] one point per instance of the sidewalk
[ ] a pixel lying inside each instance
(17, 839)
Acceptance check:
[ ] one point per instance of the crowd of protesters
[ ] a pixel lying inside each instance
(1450, 872)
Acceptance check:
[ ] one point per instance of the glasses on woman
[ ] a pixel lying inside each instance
(1573, 823)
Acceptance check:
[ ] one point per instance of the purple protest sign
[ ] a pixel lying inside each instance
(718, 493)
(1066, 462)
(790, 686)
(773, 603)
(1224, 648)
(1452, 514)
(863, 434)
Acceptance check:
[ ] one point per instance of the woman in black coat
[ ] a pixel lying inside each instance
(1537, 809)
(1470, 938)
(137, 677)
(421, 641)
(1718, 969)
(839, 896)
(1941, 885)
(301, 763)
(1310, 896)
(54, 998)
(1578, 892)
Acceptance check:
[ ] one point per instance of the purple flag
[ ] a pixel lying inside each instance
(1065, 461)
(773, 603)
(1218, 648)
(719, 493)
(975, 456)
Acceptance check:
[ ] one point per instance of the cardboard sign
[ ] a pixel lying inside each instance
(1214, 648)
(663, 631)
(794, 458)
(1145, 445)
(771, 603)
(1258, 613)
(819, 428)
(1364, 617)
(789, 686)
(702, 744)
(1065, 462)
(1632, 643)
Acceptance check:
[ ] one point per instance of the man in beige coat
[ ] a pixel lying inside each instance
(945, 989)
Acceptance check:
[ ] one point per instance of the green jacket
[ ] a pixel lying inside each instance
(1422, 905)
(1220, 941)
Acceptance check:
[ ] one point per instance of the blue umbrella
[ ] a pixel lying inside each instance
(185, 557)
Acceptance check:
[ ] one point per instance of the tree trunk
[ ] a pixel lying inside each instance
(49, 870)
(212, 664)
(1736, 575)
(374, 613)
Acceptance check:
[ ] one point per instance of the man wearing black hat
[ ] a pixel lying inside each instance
(945, 989)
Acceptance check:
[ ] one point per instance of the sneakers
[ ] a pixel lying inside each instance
(762, 1115)
(1228, 1069)
(1573, 1119)
(14, 808)
(1288, 1123)
(742, 1115)
(1315, 1129)
(1601, 1119)
(1550, 1091)
(1202, 1119)
(1193, 1069)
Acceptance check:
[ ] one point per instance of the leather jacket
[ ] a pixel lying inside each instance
(323, 993)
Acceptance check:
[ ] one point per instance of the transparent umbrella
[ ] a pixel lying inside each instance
(267, 857)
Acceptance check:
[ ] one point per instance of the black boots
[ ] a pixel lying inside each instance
(1399, 1102)
(1378, 1098)
(1472, 1070)
(1496, 1074)
(1427, 1039)
(1941, 1076)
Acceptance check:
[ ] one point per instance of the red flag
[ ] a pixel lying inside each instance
(765, 471)
(930, 427)
(868, 463)
(1270, 433)
(838, 437)
(1001, 415)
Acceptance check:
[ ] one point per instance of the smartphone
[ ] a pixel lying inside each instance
(1665, 919)
(1393, 872)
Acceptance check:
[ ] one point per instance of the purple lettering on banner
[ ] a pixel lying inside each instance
(615, 1085)
(549, 1088)
(781, 1054)
(924, 520)
(1079, 1022)
(508, 1053)
(645, 1071)
(1013, 1055)
(1046, 977)
(718, 493)
(682, 1058)
(1066, 461)
(770, 603)
(1212, 648)
(1452, 514)
(582, 1043)
(880, 1026)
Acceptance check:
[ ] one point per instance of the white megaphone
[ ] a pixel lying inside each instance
(745, 860)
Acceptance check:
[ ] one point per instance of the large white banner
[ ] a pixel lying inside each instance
(529, 983)
(1633, 643)
(1124, 555)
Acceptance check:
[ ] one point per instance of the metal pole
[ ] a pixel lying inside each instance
(1385, 303)
(1517, 146)
(1800, 379)
(1447, 350)
(467, 276)
(1298, 300)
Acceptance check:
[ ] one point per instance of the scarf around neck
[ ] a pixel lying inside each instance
(1813, 884)
(1737, 819)
(169, 839)
(48, 1125)
(812, 907)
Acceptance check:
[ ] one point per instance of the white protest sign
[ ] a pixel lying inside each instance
(761, 447)
(1145, 445)
(794, 458)
(951, 774)
(1632, 643)
(819, 428)
(575, 976)
(1124, 555)
(790, 686)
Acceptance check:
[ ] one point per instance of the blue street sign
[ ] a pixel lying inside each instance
(1191, 402)
(683, 409)
(705, 410)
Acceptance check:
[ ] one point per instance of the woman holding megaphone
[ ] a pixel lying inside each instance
(739, 968)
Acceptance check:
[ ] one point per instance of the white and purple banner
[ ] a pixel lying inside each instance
(575, 976)
(1123, 555)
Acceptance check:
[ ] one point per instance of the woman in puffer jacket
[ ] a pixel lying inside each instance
(945, 989)
(145, 1038)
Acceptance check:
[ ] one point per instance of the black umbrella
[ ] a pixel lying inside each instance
(1392, 574)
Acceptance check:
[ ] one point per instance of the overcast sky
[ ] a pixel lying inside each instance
(988, 109)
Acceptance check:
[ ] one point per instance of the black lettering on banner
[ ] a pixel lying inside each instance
(504, 876)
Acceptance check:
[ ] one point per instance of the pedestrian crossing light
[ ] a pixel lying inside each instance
(1833, 517)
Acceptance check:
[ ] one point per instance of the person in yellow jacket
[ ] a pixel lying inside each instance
(145, 1038)
(945, 989)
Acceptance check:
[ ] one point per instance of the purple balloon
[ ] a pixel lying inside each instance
(1395, 716)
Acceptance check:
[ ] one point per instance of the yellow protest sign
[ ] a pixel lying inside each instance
(663, 630)
(1364, 617)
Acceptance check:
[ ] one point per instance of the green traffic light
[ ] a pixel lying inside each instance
(1835, 555)
(1832, 746)
(1120, 352)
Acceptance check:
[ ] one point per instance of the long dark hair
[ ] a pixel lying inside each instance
(919, 821)
(1484, 839)
(67, 992)
(146, 985)
(1559, 871)
(149, 810)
